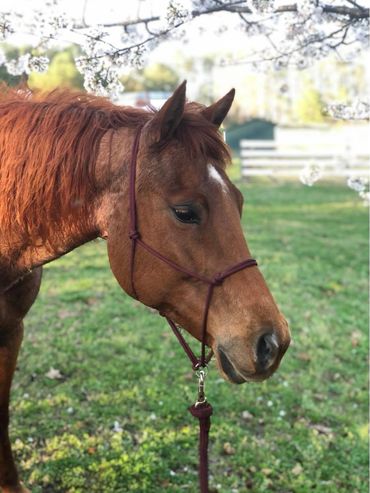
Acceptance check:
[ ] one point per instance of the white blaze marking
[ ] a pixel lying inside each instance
(215, 175)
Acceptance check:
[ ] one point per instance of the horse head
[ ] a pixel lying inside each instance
(189, 211)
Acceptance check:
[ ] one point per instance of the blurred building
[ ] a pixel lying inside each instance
(154, 99)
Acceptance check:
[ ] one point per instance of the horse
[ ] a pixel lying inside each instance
(64, 181)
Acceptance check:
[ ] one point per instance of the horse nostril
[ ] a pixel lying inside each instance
(267, 350)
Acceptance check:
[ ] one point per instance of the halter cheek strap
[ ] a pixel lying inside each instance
(201, 409)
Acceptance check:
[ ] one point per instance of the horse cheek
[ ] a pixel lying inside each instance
(119, 256)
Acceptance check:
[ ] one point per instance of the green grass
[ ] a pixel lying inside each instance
(308, 431)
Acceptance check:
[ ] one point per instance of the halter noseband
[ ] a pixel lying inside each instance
(201, 409)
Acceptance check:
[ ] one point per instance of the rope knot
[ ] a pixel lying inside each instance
(134, 235)
(218, 279)
(203, 411)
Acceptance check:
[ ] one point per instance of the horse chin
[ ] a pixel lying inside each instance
(232, 374)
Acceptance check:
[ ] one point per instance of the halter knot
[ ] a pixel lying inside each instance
(134, 235)
(203, 411)
(218, 279)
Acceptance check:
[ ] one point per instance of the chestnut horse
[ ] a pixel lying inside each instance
(64, 162)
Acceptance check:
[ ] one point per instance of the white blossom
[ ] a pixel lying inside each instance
(357, 183)
(365, 196)
(61, 21)
(317, 14)
(117, 428)
(38, 64)
(18, 66)
(301, 62)
(264, 6)
(306, 7)
(6, 26)
(281, 63)
(356, 110)
(361, 186)
(2, 57)
(176, 13)
(310, 174)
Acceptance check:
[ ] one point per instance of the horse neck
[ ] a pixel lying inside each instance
(18, 256)
(16, 259)
(112, 173)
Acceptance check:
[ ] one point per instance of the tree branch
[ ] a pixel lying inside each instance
(355, 12)
(232, 7)
(124, 24)
(356, 4)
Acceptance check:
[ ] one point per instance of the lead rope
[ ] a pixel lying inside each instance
(201, 409)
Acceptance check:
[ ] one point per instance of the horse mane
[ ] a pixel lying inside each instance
(49, 144)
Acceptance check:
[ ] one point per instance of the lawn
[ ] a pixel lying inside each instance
(112, 418)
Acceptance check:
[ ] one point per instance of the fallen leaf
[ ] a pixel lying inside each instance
(62, 314)
(304, 356)
(355, 338)
(320, 397)
(54, 374)
(247, 416)
(323, 430)
(297, 469)
(228, 449)
(91, 301)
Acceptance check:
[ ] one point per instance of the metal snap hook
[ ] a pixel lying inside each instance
(201, 374)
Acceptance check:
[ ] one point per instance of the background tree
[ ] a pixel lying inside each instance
(154, 77)
(61, 72)
(308, 107)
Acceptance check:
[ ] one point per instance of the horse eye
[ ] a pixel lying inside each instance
(186, 214)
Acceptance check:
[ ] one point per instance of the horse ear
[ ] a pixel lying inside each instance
(217, 112)
(169, 116)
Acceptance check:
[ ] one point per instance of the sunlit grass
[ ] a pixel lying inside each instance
(116, 420)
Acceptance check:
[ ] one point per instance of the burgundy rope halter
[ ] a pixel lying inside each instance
(201, 409)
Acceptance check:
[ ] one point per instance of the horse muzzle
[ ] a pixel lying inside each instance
(241, 363)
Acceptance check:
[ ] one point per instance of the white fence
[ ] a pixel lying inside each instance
(338, 154)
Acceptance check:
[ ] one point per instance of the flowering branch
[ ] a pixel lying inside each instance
(297, 33)
(293, 34)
